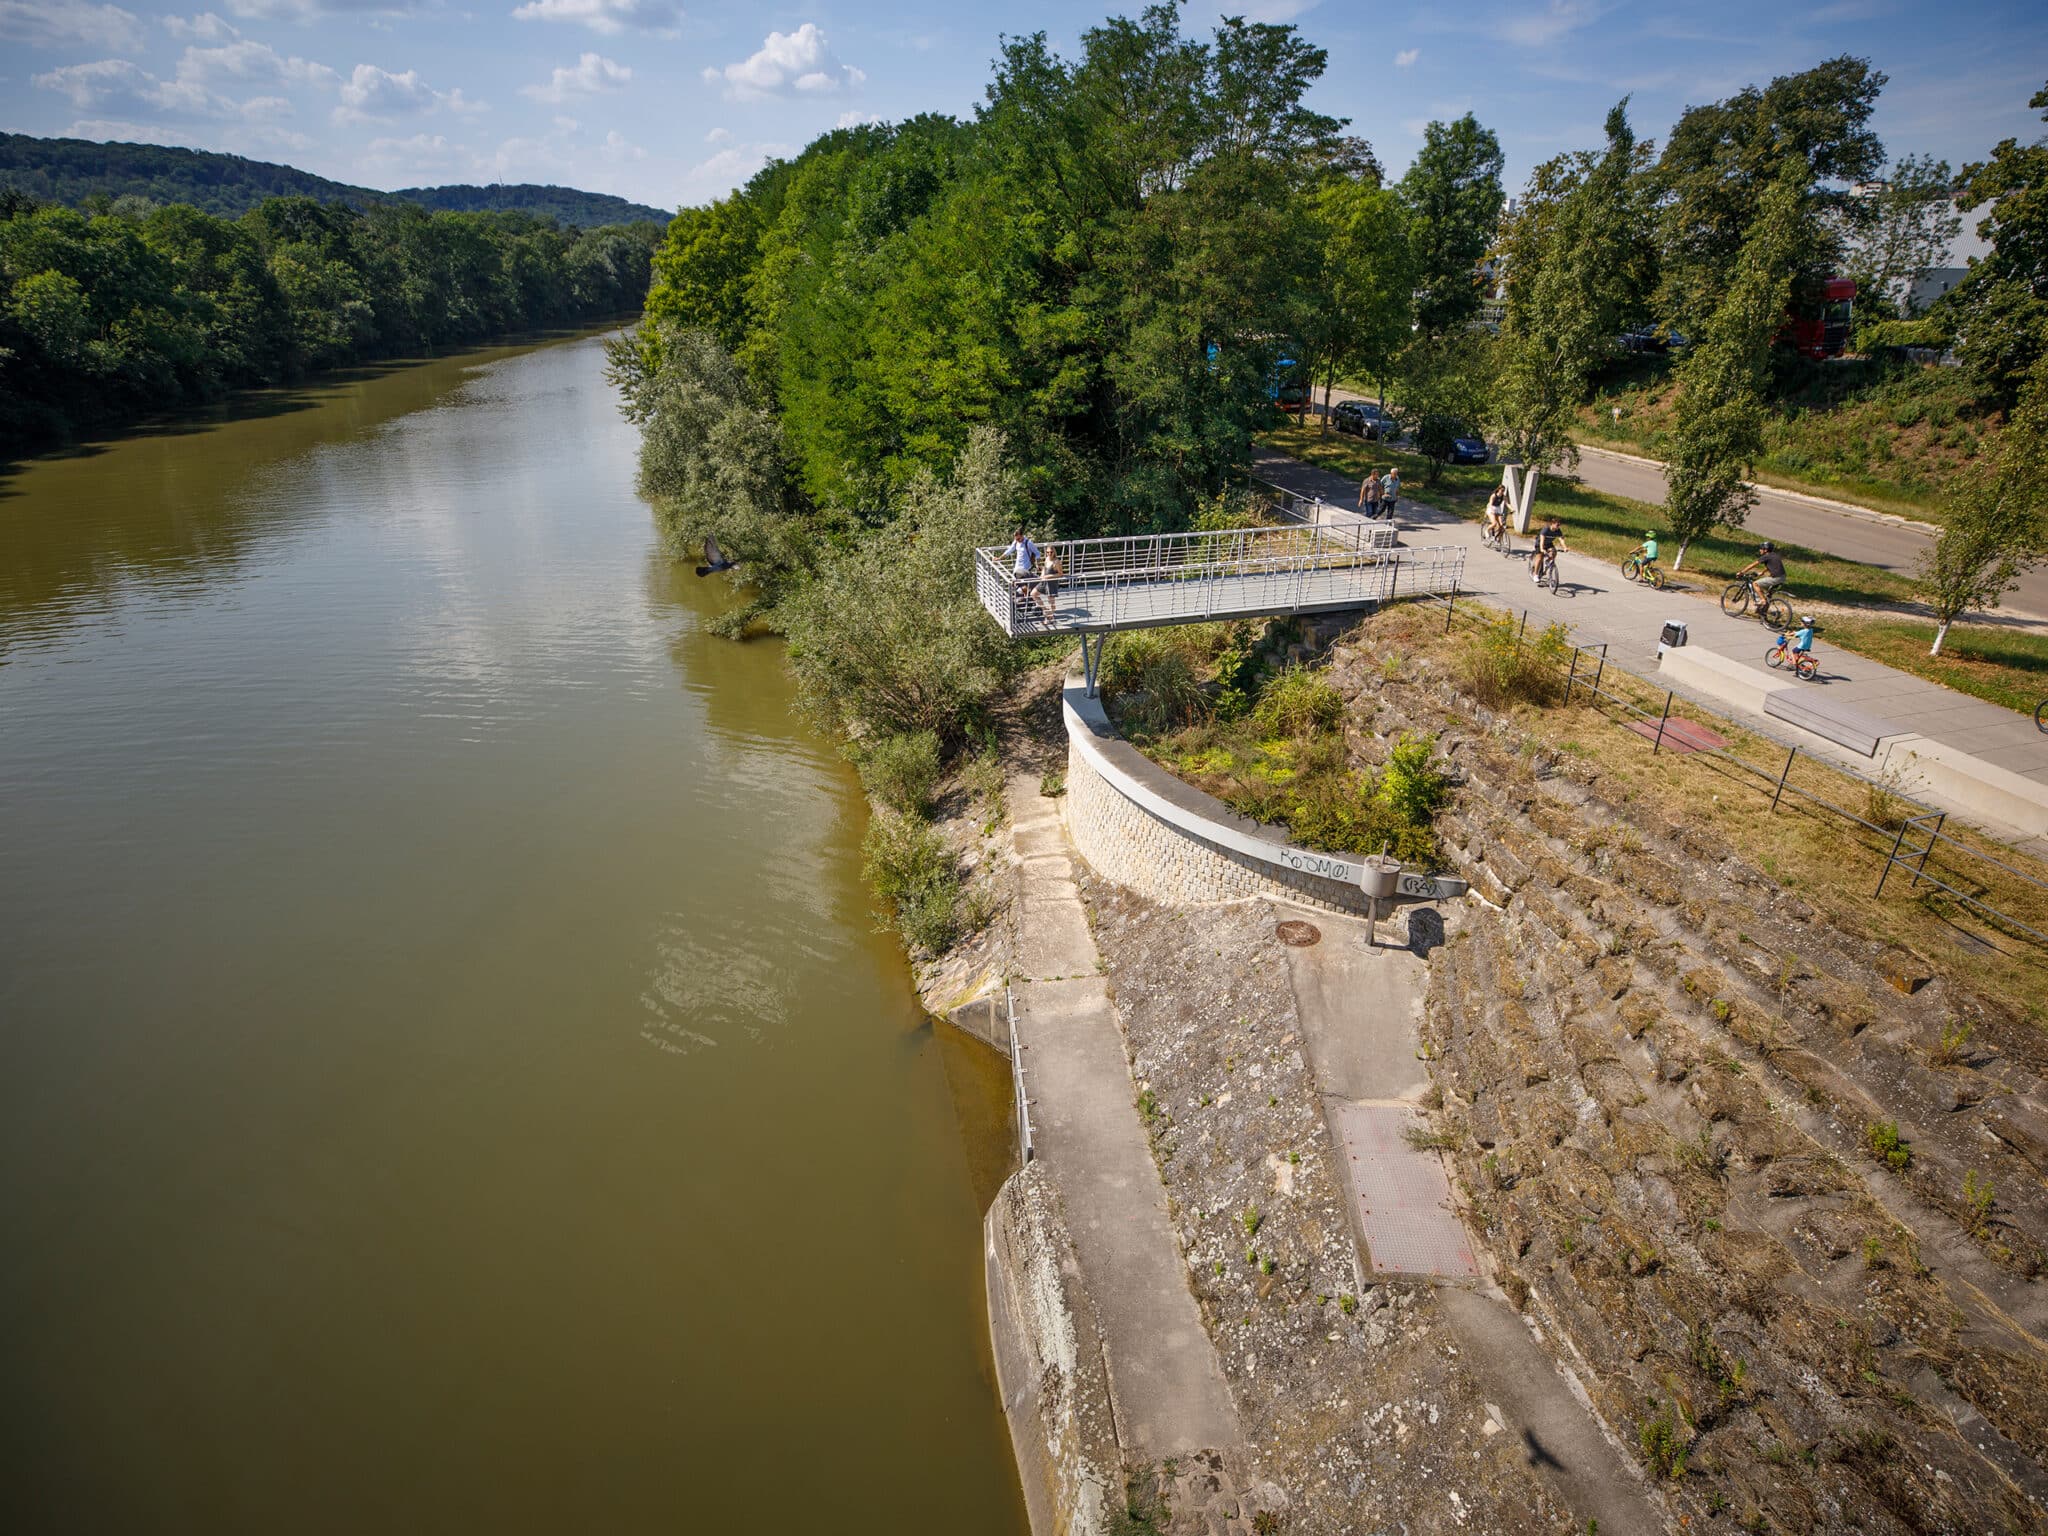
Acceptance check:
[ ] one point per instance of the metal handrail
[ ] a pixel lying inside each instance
(1026, 1147)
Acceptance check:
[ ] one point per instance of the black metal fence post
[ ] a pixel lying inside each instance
(1782, 777)
(1919, 868)
(1891, 858)
(1572, 675)
(1523, 630)
(1658, 745)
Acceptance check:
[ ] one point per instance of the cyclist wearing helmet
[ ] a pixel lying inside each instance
(1802, 643)
(1769, 569)
(1645, 553)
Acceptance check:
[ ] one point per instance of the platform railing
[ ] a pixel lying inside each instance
(1164, 578)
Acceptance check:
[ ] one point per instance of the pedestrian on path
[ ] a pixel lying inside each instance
(1390, 493)
(1369, 493)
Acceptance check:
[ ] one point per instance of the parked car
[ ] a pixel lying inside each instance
(1466, 449)
(1364, 418)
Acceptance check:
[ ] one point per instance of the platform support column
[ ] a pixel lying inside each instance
(1091, 660)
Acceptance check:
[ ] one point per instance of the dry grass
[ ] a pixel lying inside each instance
(1826, 860)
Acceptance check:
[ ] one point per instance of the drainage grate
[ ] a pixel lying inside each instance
(1298, 934)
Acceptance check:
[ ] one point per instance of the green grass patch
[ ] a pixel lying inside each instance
(1998, 665)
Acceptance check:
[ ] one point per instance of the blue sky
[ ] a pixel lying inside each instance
(675, 103)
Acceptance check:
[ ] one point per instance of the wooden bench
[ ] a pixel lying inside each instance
(1839, 723)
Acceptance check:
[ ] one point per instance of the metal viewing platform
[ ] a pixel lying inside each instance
(1189, 578)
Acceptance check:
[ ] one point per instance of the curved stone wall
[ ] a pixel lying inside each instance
(1138, 825)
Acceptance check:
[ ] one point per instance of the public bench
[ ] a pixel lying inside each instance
(1840, 723)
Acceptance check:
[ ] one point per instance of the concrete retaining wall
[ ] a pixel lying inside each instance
(1718, 677)
(1996, 793)
(1049, 1362)
(1140, 826)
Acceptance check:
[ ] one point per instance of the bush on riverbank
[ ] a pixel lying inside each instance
(911, 867)
(1281, 756)
(900, 771)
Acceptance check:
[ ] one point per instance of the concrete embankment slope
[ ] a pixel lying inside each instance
(1104, 1363)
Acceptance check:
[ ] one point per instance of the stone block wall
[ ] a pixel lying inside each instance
(1124, 842)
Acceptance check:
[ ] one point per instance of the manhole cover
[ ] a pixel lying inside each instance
(1299, 934)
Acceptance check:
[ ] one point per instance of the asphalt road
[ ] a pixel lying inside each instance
(1851, 534)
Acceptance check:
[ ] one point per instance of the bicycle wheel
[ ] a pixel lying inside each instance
(1550, 574)
(1777, 612)
(1631, 570)
(1656, 578)
(1807, 668)
(2041, 715)
(1775, 656)
(1736, 599)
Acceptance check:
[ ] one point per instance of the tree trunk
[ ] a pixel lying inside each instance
(1329, 383)
(1679, 562)
(1940, 634)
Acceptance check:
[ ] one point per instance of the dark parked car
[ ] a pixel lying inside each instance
(1469, 450)
(1364, 418)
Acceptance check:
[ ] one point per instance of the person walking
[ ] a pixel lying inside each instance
(1369, 494)
(1390, 493)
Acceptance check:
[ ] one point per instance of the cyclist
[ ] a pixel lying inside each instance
(1645, 556)
(1769, 569)
(1802, 643)
(1497, 513)
(1549, 540)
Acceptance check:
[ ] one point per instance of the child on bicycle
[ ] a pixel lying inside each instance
(1802, 642)
(1645, 556)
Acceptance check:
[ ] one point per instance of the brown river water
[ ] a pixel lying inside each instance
(449, 1077)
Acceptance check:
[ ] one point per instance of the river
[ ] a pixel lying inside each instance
(449, 1077)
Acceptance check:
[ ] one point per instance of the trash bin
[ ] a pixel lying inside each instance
(1673, 635)
(1379, 876)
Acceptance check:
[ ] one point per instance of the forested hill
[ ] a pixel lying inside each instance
(69, 171)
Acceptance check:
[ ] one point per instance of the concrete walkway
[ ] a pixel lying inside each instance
(1168, 1389)
(1599, 607)
(1794, 517)
(1358, 1010)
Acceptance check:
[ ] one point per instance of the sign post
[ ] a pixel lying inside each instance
(1521, 486)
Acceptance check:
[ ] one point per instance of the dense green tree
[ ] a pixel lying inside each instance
(1723, 159)
(1453, 195)
(1717, 431)
(702, 269)
(1997, 528)
(1999, 313)
(1358, 308)
(1579, 259)
(1446, 382)
(106, 316)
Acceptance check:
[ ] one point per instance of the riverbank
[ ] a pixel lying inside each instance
(1660, 1075)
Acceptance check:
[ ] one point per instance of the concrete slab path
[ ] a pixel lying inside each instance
(1599, 607)
(1168, 1389)
(1359, 1009)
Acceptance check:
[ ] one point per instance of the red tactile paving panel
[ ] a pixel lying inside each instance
(1404, 1200)
(1680, 736)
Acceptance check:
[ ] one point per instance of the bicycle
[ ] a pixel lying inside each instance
(1546, 568)
(1493, 539)
(1634, 568)
(1804, 667)
(1774, 609)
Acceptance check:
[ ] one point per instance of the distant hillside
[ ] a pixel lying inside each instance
(69, 171)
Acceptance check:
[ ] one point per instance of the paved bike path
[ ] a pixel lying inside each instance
(1598, 605)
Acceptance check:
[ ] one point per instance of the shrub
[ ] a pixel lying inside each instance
(900, 771)
(1297, 702)
(1128, 657)
(888, 638)
(1885, 1143)
(1165, 695)
(1501, 666)
(1410, 784)
(912, 869)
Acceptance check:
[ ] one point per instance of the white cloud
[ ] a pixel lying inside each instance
(615, 147)
(718, 136)
(566, 123)
(857, 119)
(247, 62)
(591, 75)
(254, 138)
(608, 18)
(729, 167)
(126, 87)
(373, 95)
(203, 28)
(422, 157)
(68, 24)
(1406, 58)
(115, 130)
(788, 63)
(1556, 20)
